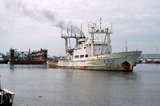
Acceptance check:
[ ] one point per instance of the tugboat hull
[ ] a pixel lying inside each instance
(6, 97)
(4, 61)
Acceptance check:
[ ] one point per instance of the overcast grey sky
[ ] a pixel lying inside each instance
(33, 23)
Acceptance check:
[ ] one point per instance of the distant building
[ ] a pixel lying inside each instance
(151, 58)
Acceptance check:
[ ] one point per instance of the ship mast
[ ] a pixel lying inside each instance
(109, 33)
(126, 47)
(100, 23)
(70, 35)
(105, 42)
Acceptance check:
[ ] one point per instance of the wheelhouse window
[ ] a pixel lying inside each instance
(81, 56)
(76, 56)
(86, 55)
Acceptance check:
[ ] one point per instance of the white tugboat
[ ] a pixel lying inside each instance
(6, 97)
(95, 52)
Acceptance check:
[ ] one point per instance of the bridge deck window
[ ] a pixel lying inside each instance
(76, 56)
(81, 56)
(86, 55)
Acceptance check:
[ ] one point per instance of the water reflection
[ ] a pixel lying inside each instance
(12, 66)
(40, 86)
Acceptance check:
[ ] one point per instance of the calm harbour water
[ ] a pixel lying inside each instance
(40, 86)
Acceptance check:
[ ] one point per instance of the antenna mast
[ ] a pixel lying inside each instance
(81, 31)
(100, 23)
(126, 48)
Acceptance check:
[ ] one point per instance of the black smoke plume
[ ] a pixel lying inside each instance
(40, 14)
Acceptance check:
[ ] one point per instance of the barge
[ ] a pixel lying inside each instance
(28, 57)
